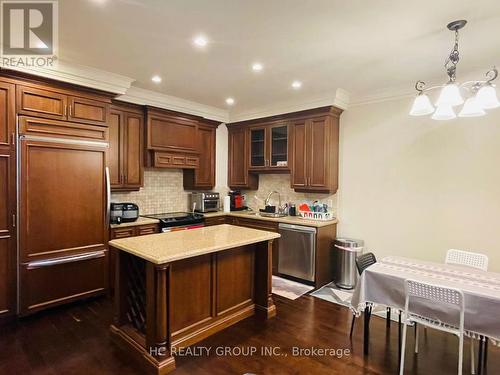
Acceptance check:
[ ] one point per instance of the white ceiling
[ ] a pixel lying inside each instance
(364, 47)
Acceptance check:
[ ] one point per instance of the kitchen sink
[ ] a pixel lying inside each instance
(271, 214)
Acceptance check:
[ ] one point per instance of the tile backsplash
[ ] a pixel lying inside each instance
(281, 183)
(162, 192)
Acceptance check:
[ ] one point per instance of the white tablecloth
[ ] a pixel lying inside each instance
(383, 284)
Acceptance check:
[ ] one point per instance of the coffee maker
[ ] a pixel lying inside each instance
(237, 201)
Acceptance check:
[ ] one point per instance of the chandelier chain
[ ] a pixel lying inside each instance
(452, 60)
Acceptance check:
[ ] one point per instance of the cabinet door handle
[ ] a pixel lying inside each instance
(65, 110)
(13, 221)
(13, 139)
(70, 111)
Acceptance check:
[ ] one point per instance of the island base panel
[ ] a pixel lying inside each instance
(181, 303)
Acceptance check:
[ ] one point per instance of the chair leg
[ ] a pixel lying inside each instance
(352, 324)
(485, 355)
(472, 366)
(480, 356)
(402, 348)
(399, 336)
(416, 338)
(460, 353)
(366, 330)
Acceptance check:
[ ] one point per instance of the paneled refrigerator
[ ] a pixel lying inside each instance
(63, 218)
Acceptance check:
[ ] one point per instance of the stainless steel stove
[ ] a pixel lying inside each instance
(173, 221)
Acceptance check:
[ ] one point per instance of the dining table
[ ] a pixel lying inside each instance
(383, 283)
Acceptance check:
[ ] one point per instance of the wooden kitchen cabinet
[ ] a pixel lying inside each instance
(305, 143)
(171, 132)
(172, 140)
(87, 111)
(125, 232)
(59, 104)
(258, 148)
(134, 230)
(42, 103)
(270, 226)
(125, 159)
(269, 147)
(203, 177)
(315, 148)
(216, 220)
(8, 214)
(239, 176)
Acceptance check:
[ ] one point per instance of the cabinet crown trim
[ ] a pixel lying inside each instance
(320, 111)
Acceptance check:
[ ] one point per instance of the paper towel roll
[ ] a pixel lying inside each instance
(227, 203)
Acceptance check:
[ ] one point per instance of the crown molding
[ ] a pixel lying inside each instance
(340, 99)
(80, 75)
(146, 97)
(380, 97)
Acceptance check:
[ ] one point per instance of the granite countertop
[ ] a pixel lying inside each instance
(140, 221)
(287, 219)
(168, 247)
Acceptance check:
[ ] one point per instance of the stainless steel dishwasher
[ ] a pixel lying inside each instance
(297, 251)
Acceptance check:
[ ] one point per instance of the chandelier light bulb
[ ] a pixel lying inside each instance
(449, 96)
(487, 97)
(421, 106)
(471, 108)
(444, 112)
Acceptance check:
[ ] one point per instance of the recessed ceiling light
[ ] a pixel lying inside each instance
(200, 41)
(296, 85)
(229, 101)
(156, 79)
(257, 67)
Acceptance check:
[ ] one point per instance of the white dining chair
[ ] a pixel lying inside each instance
(438, 295)
(469, 259)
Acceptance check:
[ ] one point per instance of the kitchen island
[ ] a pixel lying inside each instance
(175, 289)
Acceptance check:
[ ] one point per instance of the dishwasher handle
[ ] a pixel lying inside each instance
(297, 228)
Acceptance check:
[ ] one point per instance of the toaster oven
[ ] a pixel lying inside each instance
(204, 201)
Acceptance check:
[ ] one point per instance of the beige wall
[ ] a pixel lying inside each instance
(417, 187)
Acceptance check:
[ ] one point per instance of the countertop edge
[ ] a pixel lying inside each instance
(287, 220)
(209, 250)
(140, 221)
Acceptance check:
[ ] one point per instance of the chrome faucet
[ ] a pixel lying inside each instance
(266, 202)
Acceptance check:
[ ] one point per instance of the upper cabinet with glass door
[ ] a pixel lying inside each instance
(258, 157)
(278, 153)
(269, 147)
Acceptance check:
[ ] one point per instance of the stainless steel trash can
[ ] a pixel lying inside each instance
(346, 251)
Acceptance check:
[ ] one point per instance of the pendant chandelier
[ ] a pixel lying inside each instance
(480, 95)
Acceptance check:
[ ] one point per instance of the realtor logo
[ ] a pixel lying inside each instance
(28, 33)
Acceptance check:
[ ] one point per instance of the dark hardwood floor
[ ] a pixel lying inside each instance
(75, 339)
